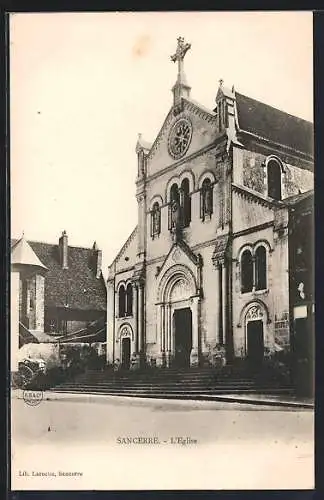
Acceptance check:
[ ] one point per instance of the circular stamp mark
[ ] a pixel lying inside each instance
(33, 398)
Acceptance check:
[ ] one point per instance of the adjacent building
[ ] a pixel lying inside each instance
(55, 288)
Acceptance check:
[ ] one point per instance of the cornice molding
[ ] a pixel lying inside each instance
(183, 161)
(256, 197)
(200, 111)
(305, 156)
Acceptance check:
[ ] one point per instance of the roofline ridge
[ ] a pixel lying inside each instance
(157, 139)
(125, 245)
(52, 244)
(274, 107)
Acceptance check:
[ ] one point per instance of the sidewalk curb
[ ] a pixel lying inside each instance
(74, 396)
(264, 402)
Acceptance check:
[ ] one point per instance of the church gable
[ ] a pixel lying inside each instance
(126, 257)
(182, 134)
(250, 210)
(179, 253)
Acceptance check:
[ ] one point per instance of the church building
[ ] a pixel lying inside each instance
(205, 274)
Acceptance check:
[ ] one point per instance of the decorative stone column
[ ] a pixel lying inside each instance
(218, 306)
(194, 355)
(224, 302)
(135, 315)
(135, 356)
(160, 334)
(167, 336)
(140, 320)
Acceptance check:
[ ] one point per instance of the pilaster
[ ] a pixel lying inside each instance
(195, 310)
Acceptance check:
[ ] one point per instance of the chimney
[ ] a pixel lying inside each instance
(97, 254)
(63, 247)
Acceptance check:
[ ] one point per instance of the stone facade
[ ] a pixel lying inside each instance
(190, 274)
(31, 300)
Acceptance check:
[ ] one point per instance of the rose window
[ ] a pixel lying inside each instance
(180, 137)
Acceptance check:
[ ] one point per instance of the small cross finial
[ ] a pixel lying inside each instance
(182, 49)
(181, 88)
(221, 81)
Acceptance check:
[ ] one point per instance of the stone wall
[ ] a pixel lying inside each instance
(39, 302)
(249, 171)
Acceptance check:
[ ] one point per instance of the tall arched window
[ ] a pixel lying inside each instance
(174, 207)
(155, 220)
(129, 300)
(246, 271)
(260, 268)
(206, 199)
(121, 301)
(174, 193)
(274, 179)
(185, 203)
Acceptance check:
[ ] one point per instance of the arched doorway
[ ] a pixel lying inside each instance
(178, 308)
(126, 339)
(125, 353)
(182, 319)
(254, 322)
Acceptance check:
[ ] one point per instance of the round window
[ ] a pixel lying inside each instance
(179, 138)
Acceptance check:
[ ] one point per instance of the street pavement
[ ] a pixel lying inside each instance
(183, 445)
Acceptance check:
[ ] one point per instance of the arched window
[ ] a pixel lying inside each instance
(121, 301)
(246, 271)
(174, 193)
(206, 199)
(174, 207)
(155, 220)
(260, 268)
(185, 203)
(274, 179)
(129, 300)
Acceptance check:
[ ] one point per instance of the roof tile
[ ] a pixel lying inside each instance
(275, 125)
(77, 285)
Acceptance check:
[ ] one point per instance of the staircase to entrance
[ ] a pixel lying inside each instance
(167, 383)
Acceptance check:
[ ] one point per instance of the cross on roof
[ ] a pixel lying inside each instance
(182, 49)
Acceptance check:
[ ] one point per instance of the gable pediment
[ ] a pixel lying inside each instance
(180, 253)
(126, 256)
(203, 132)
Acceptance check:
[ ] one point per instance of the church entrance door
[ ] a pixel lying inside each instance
(126, 348)
(182, 337)
(255, 344)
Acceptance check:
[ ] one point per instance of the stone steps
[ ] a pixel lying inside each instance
(173, 383)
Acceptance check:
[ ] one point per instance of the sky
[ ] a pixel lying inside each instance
(83, 85)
